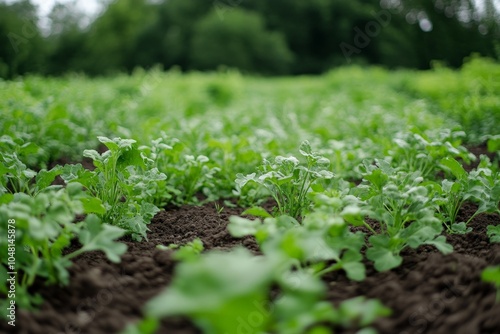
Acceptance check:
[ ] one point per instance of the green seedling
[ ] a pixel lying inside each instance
(480, 186)
(44, 227)
(405, 214)
(288, 181)
(122, 182)
(422, 153)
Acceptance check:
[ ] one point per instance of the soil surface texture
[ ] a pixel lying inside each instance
(429, 293)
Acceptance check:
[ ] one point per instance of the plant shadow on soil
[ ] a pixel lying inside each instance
(429, 293)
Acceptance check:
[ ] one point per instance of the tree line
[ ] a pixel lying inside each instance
(277, 37)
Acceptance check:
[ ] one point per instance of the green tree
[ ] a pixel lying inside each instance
(110, 40)
(21, 45)
(66, 39)
(238, 39)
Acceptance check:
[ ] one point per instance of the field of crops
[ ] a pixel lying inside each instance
(359, 201)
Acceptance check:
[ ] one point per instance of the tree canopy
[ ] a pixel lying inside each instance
(256, 36)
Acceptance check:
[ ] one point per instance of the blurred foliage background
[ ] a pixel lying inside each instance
(275, 37)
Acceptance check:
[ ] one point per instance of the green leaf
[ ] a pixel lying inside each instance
(190, 251)
(145, 326)
(441, 244)
(494, 144)
(98, 236)
(218, 290)
(305, 148)
(493, 233)
(454, 167)
(361, 312)
(130, 157)
(92, 154)
(491, 275)
(109, 143)
(257, 211)
(377, 178)
(354, 270)
(44, 178)
(240, 227)
(93, 205)
(381, 254)
(460, 228)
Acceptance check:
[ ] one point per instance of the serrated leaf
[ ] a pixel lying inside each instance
(44, 178)
(441, 244)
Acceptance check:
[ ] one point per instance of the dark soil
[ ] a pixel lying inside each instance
(428, 293)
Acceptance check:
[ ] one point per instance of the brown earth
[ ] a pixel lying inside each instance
(429, 293)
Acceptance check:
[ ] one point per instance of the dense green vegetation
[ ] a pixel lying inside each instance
(354, 144)
(255, 36)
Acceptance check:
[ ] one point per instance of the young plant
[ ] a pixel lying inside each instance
(16, 176)
(192, 175)
(403, 210)
(288, 181)
(323, 242)
(225, 292)
(479, 186)
(122, 182)
(187, 174)
(44, 226)
(422, 152)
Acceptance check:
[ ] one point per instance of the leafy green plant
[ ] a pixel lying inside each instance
(15, 175)
(226, 292)
(187, 174)
(492, 275)
(217, 290)
(421, 152)
(493, 233)
(44, 227)
(191, 175)
(403, 210)
(123, 182)
(289, 181)
(323, 242)
(479, 186)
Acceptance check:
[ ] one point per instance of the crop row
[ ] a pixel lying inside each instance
(386, 174)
